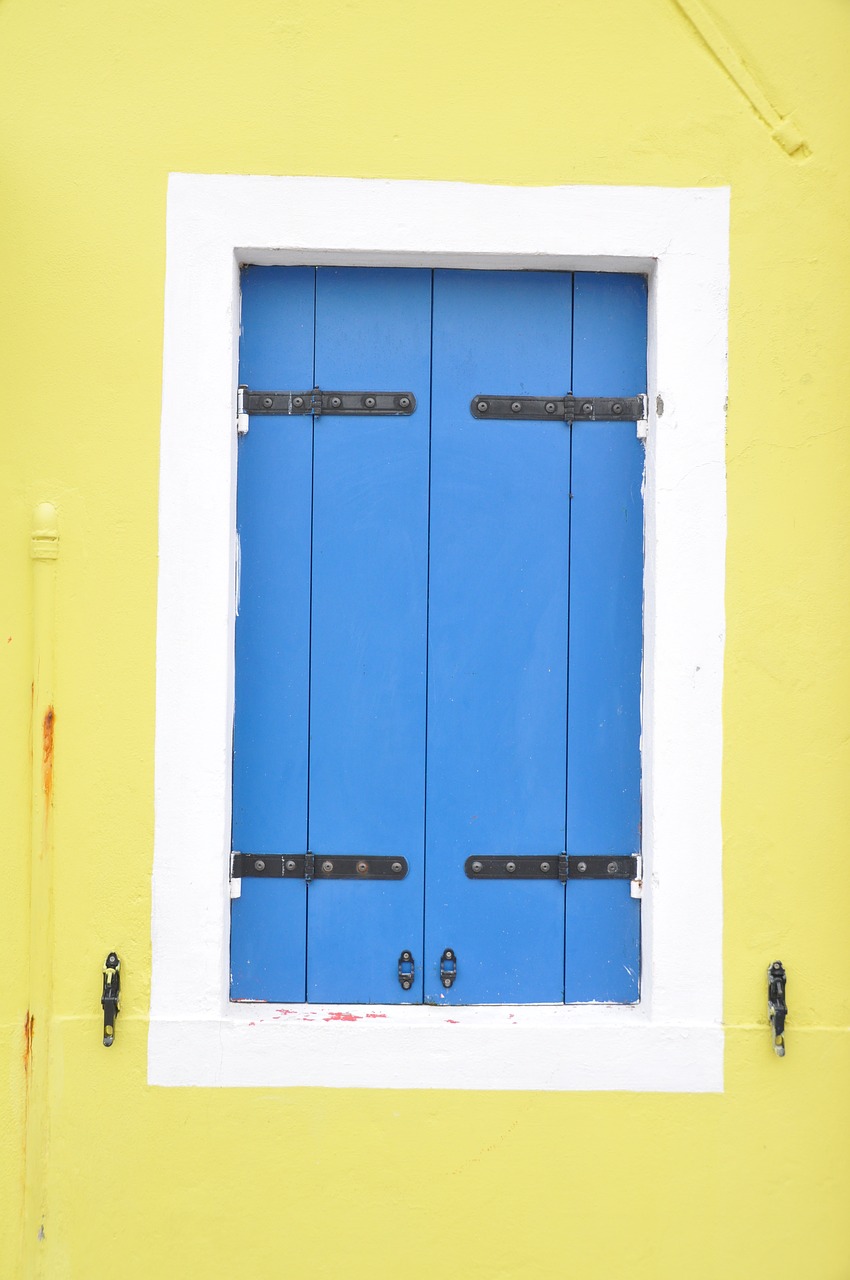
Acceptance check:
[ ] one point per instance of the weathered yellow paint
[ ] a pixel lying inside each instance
(99, 102)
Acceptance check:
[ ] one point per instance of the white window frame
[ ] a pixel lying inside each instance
(673, 1039)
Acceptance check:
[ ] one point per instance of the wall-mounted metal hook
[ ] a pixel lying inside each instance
(111, 993)
(777, 1009)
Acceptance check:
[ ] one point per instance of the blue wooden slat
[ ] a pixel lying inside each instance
(268, 922)
(498, 635)
(369, 642)
(606, 579)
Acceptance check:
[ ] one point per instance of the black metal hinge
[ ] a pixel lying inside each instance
(561, 408)
(562, 867)
(375, 404)
(314, 866)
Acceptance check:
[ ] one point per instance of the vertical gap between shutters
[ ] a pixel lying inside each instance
(310, 640)
(427, 643)
(567, 638)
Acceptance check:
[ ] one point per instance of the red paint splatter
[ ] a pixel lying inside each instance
(342, 1015)
(453, 1021)
(376, 1015)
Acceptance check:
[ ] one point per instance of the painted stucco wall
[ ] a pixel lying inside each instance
(98, 104)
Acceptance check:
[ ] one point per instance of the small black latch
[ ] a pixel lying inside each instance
(406, 970)
(111, 993)
(448, 968)
(777, 1010)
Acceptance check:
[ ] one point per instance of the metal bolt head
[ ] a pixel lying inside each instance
(447, 982)
(290, 864)
(613, 868)
(581, 866)
(336, 402)
(477, 866)
(298, 402)
(406, 986)
(405, 955)
(510, 866)
(362, 867)
(587, 407)
(370, 402)
(550, 406)
(267, 402)
(516, 406)
(259, 865)
(327, 865)
(397, 867)
(482, 406)
(544, 866)
(404, 402)
(616, 407)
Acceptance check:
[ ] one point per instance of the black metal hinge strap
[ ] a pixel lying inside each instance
(380, 404)
(558, 867)
(560, 408)
(315, 866)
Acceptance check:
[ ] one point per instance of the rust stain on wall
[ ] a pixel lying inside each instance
(47, 752)
(29, 1032)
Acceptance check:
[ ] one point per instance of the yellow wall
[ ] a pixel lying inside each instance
(98, 102)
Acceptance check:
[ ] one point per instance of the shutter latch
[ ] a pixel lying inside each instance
(406, 970)
(111, 993)
(777, 1010)
(448, 968)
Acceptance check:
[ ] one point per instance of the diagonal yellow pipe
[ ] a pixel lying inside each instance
(44, 549)
(783, 129)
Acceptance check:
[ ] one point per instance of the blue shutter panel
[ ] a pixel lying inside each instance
(369, 642)
(268, 922)
(606, 640)
(498, 635)
(438, 646)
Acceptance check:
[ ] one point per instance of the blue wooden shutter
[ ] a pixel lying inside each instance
(497, 708)
(274, 514)
(606, 639)
(369, 638)
(438, 647)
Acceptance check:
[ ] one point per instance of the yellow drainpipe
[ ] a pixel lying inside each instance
(44, 549)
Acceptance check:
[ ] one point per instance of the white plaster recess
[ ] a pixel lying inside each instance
(672, 1040)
